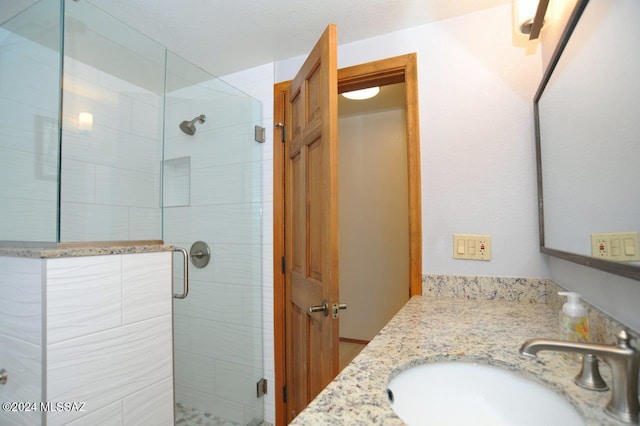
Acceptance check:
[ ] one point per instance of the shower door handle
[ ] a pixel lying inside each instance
(185, 256)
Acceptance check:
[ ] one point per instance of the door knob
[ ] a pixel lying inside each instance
(3, 376)
(324, 308)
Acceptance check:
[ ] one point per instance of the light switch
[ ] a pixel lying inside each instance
(615, 247)
(629, 249)
(460, 250)
(472, 247)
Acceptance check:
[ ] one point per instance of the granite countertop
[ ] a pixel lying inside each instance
(84, 250)
(447, 329)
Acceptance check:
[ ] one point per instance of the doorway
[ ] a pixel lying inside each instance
(402, 69)
(372, 213)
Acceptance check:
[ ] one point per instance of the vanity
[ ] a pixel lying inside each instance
(446, 329)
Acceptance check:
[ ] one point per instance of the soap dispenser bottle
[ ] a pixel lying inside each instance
(574, 323)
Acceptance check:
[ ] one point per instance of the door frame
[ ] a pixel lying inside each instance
(377, 73)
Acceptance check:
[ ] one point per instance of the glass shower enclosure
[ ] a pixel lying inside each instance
(91, 151)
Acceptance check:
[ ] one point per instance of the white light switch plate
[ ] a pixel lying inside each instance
(472, 247)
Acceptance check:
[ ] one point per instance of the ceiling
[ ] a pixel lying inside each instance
(225, 36)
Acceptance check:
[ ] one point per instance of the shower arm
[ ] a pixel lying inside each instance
(201, 118)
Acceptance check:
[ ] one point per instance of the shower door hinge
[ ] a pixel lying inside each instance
(259, 134)
(261, 387)
(282, 132)
(283, 264)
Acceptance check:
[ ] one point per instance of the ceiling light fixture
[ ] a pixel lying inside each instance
(362, 93)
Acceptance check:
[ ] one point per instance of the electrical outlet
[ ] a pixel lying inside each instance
(472, 247)
(618, 246)
(601, 248)
(484, 247)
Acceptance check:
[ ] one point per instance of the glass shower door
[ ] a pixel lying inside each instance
(212, 193)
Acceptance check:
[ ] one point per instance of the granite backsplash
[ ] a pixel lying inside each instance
(523, 290)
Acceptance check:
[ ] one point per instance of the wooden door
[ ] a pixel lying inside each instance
(311, 225)
(386, 71)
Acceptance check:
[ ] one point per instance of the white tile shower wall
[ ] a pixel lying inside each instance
(146, 291)
(21, 284)
(218, 334)
(27, 220)
(109, 337)
(111, 174)
(84, 296)
(28, 151)
(152, 405)
(109, 415)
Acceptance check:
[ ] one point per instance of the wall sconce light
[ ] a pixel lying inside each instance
(85, 122)
(362, 93)
(528, 17)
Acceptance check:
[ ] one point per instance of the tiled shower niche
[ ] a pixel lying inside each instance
(177, 182)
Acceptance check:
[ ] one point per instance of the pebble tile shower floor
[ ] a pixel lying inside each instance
(186, 416)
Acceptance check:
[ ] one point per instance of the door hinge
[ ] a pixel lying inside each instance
(284, 394)
(259, 134)
(261, 387)
(283, 264)
(282, 131)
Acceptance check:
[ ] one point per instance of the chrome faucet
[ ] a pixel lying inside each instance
(622, 358)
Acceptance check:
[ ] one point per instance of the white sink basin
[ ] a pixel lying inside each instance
(463, 393)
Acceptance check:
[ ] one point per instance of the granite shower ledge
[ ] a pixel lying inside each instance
(445, 329)
(80, 250)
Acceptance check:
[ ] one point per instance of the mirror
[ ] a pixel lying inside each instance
(588, 140)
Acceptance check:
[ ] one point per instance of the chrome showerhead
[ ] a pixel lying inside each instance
(189, 127)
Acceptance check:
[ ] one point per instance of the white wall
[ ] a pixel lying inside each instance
(374, 220)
